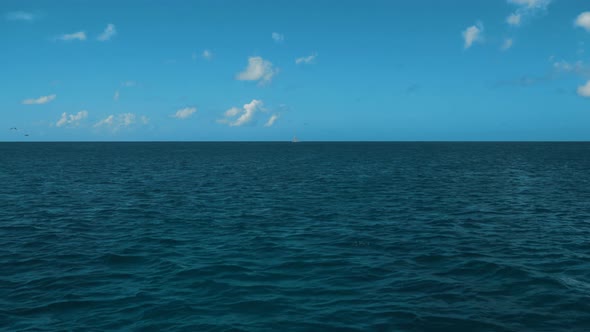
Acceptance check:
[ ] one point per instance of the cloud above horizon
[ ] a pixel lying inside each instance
(278, 37)
(472, 34)
(310, 59)
(72, 120)
(578, 68)
(508, 42)
(514, 19)
(525, 9)
(20, 16)
(39, 101)
(258, 69)
(184, 113)
(235, 117)
(271, 121)
(531, 3)
(80, 35)
(108, 33)
(584, 90)
(122, 120)
(583, 21)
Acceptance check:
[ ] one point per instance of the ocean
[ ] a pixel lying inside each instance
(295, 236)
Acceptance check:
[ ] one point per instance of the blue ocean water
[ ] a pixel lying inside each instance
(295, 237)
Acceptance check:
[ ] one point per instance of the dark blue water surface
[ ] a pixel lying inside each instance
(295, 237)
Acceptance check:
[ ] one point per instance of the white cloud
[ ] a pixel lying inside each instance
(236, 117)
(584, 90)
(20, 16)
(583, 21)
(525, 9)
(120, 120)
(108, 121)
(277, 37)
(184, 113)
(472, 34)
(144, 119)
(258, 70)
(232, 112)
(129, 84)
(207, 54)
(563, 66)
(578, 68)
(71, 119)
(514, 19)
(248, 114)
(80, 35)
(271, 120)
(40, 100)
(116, 96)
(306, 59)
(108, 32)
(531, 3)
(508, 42)
(127, 119)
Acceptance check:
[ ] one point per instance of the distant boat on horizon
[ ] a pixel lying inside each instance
(294, 140)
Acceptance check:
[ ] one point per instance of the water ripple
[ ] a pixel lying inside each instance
(295, 237)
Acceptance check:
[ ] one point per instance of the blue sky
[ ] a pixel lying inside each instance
(320, 70)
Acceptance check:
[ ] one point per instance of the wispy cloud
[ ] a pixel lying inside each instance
(118, 121)
(271, 121)
(72, 120)
(525, 9)
(278, 37)
(184, 113)
(310, 59)
(584, 90)
(206, 54)
(531, 3)
(258, 70)
(472, 34)
(578, 68)
(508, 42)
(514, 19)
(20, 16)
(127, 119)
(236, 117)
(559, 70)
(108, 121)
(39, 101)
(109, 32)
(80, 35)
(231, 112)
(125, 84)
(524, 81)
(583, 21)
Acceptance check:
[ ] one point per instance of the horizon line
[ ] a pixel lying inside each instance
(315, 141)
